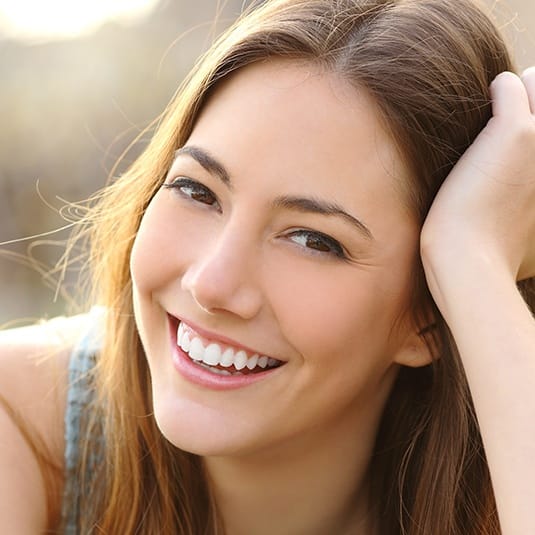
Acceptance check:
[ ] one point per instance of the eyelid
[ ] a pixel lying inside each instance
(179, 177)
(338, 251)
(181, 180)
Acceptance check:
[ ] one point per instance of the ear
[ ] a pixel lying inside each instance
(418, 347)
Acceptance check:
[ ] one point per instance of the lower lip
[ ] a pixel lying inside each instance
(203, 377)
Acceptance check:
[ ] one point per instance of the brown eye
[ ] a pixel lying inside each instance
(317, 242)
(194, 190)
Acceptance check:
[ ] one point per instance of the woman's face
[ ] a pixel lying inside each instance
(279, 232)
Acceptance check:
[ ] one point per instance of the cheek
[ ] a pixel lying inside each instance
(168, 240)
(334, 314)
(152, 261)
(147, 273)
(144, 251)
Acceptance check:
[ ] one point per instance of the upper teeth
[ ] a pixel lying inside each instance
(212, 354)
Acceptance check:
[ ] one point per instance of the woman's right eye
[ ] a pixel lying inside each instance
(193, 190)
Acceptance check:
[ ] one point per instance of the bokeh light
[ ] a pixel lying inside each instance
(38, 21)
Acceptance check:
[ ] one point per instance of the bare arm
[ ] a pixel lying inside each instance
(33, 379)
(22, 492)
(479, 238)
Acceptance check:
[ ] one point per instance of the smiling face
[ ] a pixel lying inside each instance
(278, 240)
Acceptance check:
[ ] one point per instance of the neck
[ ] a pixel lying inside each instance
(314, 485)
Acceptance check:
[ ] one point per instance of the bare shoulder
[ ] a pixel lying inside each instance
(33, 390)
(34, 372)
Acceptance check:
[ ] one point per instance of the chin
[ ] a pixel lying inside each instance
(200, 430)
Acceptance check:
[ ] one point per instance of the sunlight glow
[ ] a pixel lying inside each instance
(38, 20)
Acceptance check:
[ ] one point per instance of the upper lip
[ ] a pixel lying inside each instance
(220, 338)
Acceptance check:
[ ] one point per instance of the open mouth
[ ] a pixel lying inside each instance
(220, 358)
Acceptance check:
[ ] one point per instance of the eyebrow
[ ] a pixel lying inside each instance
(207, 161)
(300, 204)
(317, 206)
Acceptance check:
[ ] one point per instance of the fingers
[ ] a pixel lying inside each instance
(528, 78)
(510, 96)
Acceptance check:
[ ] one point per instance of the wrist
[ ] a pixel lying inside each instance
(457, 274)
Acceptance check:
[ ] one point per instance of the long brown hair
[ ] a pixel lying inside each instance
(428, 65)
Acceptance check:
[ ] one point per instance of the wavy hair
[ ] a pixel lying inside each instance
(428, 65)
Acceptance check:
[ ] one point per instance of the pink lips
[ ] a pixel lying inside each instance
(201, 376)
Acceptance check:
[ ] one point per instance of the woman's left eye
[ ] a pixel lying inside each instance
(317, 242)
(194, 190)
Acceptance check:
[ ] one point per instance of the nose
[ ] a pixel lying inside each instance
(223, 275)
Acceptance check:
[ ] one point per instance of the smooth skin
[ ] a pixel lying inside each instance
(478, 239)
(33, 381)
(244, 260)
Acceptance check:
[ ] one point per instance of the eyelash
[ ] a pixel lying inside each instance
(191, 188)
(322, 244)
(327, 245)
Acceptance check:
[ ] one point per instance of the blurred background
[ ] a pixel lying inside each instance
(79, 80)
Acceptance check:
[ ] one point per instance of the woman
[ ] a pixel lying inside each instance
(273, 360)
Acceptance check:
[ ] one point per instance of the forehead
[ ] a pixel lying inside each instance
(299, 127)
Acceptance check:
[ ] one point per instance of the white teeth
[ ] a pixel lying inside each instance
(227, 358)
(186, 342)
(263, 361)
(196, 350)
(252, 361)
(212, 355)
(240, 360)
(182, 338)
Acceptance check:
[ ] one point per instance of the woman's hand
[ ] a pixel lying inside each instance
(484, 214)
(478, 239)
